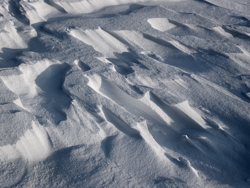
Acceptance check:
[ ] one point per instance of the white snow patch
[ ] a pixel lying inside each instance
(220, 30)
(161, 24)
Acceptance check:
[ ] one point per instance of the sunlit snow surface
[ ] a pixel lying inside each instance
(124, 93)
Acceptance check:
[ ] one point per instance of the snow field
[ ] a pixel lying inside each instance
(148, 94)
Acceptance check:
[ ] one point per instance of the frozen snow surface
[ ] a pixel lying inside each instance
(124, 93)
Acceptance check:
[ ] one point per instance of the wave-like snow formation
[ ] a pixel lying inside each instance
(124, 93)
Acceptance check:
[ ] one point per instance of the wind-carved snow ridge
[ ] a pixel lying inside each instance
(38, 87)
(12, 37)
(146, 94)
(100, 40)
(33, 146)
(24, 84)
(146, 135)
(112, 92)
(151, 108)
(90, 6)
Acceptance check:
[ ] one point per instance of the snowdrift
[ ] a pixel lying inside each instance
(124, 93)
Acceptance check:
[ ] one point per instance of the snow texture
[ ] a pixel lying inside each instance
(124, 93)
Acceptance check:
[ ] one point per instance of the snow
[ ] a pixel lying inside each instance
(161, 24)
(101, 41)
(124, 93)
(33, 146)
